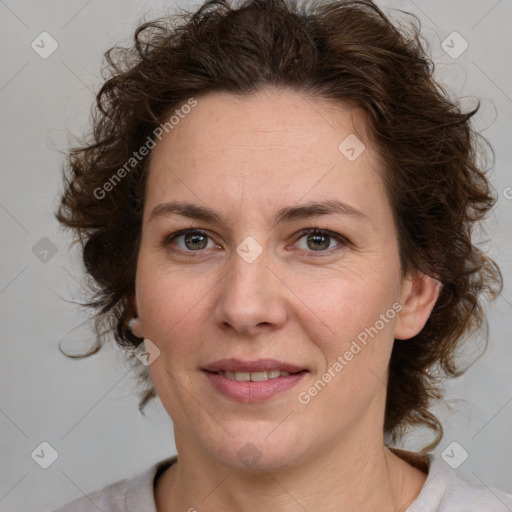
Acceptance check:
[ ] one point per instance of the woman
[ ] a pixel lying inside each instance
(277, 208)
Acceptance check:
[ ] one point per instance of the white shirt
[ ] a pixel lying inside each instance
(443, 491)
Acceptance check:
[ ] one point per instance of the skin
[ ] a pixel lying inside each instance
(246, 157)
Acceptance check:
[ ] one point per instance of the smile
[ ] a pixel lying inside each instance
(254, 376)
(249, 391)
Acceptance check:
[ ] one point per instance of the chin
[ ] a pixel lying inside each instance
(261, 448)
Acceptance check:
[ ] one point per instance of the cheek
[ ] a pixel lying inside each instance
(342, 305)
(355, 345)
(170, 301)
(351, 321)
(172, 310)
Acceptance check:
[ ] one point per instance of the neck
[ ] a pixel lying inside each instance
(352, 476)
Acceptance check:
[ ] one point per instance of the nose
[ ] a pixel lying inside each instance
(252, 297)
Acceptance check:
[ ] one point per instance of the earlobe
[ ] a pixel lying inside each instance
(136, 327)
(419, 297)
(134, 324)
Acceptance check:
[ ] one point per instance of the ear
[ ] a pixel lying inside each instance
(134, 322)
(418, 297)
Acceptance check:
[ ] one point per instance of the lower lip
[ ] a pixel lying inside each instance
(249, 391)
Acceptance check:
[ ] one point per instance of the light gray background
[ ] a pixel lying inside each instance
(87, 409)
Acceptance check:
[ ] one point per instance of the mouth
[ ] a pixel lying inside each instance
(252, 381)
(255, 376)
(260, 369)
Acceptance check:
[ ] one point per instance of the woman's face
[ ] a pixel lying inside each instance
(249, 283)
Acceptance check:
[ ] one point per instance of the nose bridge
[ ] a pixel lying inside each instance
(249, 276)
(251, 293)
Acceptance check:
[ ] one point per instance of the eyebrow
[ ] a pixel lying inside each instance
(287, 214)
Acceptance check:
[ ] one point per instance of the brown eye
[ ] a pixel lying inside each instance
(320, 241)
(195, 241)
(189, 241)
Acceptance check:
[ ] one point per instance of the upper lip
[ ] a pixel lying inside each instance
(258, 365)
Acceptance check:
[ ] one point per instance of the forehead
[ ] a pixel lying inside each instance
(263, 147)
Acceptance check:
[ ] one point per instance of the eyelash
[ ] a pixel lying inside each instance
(315, 231)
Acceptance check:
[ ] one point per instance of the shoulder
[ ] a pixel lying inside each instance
(445, 491)
(134, 493)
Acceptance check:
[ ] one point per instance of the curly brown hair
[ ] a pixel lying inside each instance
(346, 51)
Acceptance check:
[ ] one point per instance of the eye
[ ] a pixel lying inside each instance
(316, 240)
(320, 240)
(192, 240)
